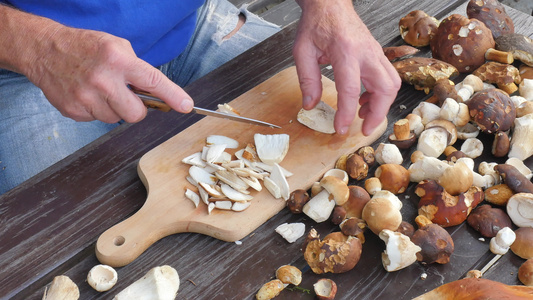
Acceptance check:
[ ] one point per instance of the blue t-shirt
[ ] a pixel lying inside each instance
(158, 30)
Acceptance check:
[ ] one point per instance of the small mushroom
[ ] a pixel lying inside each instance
(472, 147)
(373, 185)
(498, 194)
(492, 13)
(522, 244)
(455, 112)
(325, 289)
(102, 278)
(525, 272)
(519, 45)
(383, 212)
(289, 274)
(456, 179)
(502, 241)
(468, 131)
(338, 215)
(354, 227)
(488, 220)
(444, 89)
(356, 167)
(505, 76)
(415, 123)
(423, 72)
(337, 188)
(319, 207)
(357, 200)
(297, 200)
(336, 253)
(433, 141)
(403, 137)
(520, 209)
(400, 252)
(501, 144)
(368, 154)
(388, 154)
(270, 290)
(436, 243)
(516, 181)
(426, 168)
(406, 228)
(444, 209)
(393, 178)
(462, 42)
(492, 110)
(417, 28)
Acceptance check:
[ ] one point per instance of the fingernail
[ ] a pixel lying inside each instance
(343, 130)
(306, 100)
(186, 105)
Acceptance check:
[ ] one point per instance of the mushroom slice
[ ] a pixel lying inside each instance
(280, 180)
(232, 180)
(234, 194)
(248, 172)
(223, 204)
(201, 175)
(272, 187)
(269, 168)
(520, 209)
(240, 206)
(194, 159)
(203, 194)
(271, 148)
(250, 153)
(214, 152)
(211, 190)
(222, 140)
(227, 109)
(191, 181)
(213, 167)
(233, 164)
(291, 232)
(210, 207)
(320, 118)
(193, 197)
(252, 182)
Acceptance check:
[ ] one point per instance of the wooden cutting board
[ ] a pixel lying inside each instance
(167, 211)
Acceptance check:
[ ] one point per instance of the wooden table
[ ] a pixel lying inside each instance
(49, 224)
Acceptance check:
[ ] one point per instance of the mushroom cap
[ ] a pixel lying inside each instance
(457, 179)
(381, 213)
(400, 250)
(357, 200)
(522, 244)
(519, 45)
(417, 28)
(423, 72)
(498, 73)
(492, 110)
(449, 126)
(436, 243)
(520, 209)
(297, 200)
(489, 220)
(525, 272)
(462, 42)
(399, 52)
(492, 13)
(356, 167)
(337, 188)
(336, 253)
(289, 274)
(393, 177)
(501, 144)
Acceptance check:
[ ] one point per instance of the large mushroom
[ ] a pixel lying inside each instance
(462, 42)
(436, 243)
(492, 110)
(336, 253)
(423, 72)
(492, 13)
(519, 45)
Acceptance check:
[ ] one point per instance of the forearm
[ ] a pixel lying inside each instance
(24, 37)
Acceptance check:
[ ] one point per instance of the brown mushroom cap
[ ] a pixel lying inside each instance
(522, 243)
(462, 42)
(505, 76)
(399, 52)
(515, 180)
(436, 243)
(525, 273)
(498, 194)
(417, 28)
(357, 200)
(488, 220)
(406, 229)
(336, 253)
(501, 144)
(492, 13)
(356, 167)
(297, 200)
(380, 213)
(368, 154)
(519, 45)
(393, 177)
(423, 72)
(492, 110)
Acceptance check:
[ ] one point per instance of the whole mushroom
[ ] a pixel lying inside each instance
(492, 13)
(489, 220)
(417, 28)
(383, 212)
(462, 42)
(436, 243)
(336, 253)
(492, 110)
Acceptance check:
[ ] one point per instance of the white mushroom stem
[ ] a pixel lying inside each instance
(427, 112)
(455, 112)
(430, 168)
(521, 141)
(400, 252)
(320, 207)
(433, 141)
(526, 89)
(102, 278)
(159, 283)
(520, 166)
(472, 147)
(388, 154)
(502, 241)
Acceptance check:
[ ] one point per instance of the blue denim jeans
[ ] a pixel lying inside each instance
(34, 135)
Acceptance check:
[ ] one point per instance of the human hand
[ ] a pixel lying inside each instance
(85, 74)
(332, 32)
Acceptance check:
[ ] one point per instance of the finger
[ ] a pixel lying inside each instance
(348, 86)
(150, 79)
(127, 105)
(309, 75)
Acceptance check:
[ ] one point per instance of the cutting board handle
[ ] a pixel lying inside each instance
(124, 242)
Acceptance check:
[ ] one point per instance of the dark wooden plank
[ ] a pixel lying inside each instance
(50, 223)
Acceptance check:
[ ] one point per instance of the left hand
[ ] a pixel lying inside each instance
(332, 32)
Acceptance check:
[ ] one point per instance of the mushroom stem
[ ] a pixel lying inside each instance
(499, 56)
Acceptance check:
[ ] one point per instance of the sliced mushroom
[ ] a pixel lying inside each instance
(320, 118)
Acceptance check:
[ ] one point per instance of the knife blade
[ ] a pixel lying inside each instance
(156, 103)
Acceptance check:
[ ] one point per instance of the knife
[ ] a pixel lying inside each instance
(156, 103)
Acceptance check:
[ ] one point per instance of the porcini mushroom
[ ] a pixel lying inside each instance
(488, 220)
(492, 13)
(396, 53)
(436, 243)
(423, 72)
(297, 200)
(336, 253)
(325, 289)
(456, 179)
(525, 272)
(289, 274)
(160, 283)
(523, 241)
(393, 178)
(492, 110)
(502, 241)
(400, 252)
(462, 42)
(388, 154)
(417, 28)
(505, 76)
(383, 212)
(520, 209)
(270, 290)
(482, 289)
(102, 278)
(319, 207)
(521, 145)
(519, 45)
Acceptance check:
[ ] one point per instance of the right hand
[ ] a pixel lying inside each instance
(85, 74)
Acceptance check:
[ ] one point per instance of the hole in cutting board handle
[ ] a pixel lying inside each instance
(119, 240)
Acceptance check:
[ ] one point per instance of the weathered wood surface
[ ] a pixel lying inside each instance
(48, 225)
